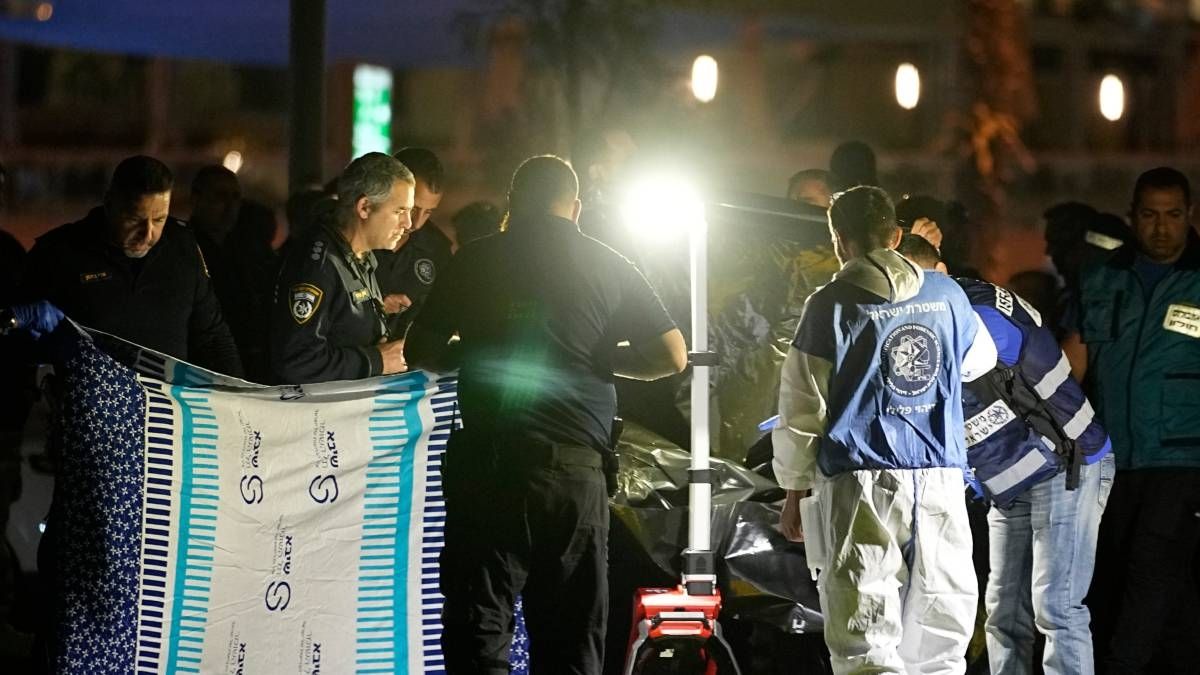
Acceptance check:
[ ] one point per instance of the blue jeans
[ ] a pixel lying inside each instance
(1042, 552)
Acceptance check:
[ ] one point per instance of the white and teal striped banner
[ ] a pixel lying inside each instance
(281, 530)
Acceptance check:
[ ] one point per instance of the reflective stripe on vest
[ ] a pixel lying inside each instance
(1052, 380)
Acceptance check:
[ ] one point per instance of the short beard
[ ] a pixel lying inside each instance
(135, 254)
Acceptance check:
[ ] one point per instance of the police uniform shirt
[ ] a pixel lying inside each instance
(327, 319)
(163, 301)
(540, 309)
(412, 271)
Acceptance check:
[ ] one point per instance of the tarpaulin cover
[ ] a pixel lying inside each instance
(763, 577)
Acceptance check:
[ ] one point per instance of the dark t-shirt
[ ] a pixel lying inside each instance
(540, 310)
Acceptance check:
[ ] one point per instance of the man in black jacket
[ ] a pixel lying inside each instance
(130, 269)
(328, 321)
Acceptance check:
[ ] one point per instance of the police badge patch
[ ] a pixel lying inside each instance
(912, 356)
(425, 270)
(305, 300)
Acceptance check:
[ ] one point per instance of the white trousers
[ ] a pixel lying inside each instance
(899, 592)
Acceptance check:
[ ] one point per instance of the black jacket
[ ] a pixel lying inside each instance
(327, 318)
(412, 271)
(163, 301)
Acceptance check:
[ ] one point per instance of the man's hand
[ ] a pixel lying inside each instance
(393, 357)
(929, 231)
(394, 303)
(789, 520)
(39, 318)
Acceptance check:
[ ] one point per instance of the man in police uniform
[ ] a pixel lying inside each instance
(328, 321)
(406, 274)
(131, 270)
(1136, 346)
(540, 310)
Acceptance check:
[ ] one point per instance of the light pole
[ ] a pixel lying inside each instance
(663, 207)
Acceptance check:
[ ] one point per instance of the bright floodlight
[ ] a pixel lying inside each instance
(232, 161)
(662, 207)
(1112, 98)
(908, 86)
(704, 78)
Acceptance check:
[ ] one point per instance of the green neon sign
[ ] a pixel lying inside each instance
(372, 110)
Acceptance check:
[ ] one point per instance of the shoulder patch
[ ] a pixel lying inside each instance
(425, 271)
(305, 299)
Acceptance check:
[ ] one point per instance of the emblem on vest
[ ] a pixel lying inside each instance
(359, 295)
(425, 270)
(988, 421)
(912, 357)
(305, 300)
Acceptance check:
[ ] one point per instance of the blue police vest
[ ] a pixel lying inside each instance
(1029, 420)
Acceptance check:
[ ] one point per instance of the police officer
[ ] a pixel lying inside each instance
(131, 270)
(540, 309)
(328, 321)
(407, 274)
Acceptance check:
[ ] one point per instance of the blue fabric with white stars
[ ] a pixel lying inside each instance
(100, 487)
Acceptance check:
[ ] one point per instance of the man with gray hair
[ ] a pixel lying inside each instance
(328, 321)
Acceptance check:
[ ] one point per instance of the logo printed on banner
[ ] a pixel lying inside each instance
(279, 591)
(425, 270)
(310, 651)
(912, 358)
(306, 298)
(1184, 319)
(323, 489)
(279, 596)
(252, 490)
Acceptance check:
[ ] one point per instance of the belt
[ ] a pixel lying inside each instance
(540, 453)
(515, 450)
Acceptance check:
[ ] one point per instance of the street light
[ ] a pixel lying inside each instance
(232, 161)
(704, 78)
(1112, 97)
(908, 86)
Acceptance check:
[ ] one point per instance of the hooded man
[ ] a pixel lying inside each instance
(871, 395)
